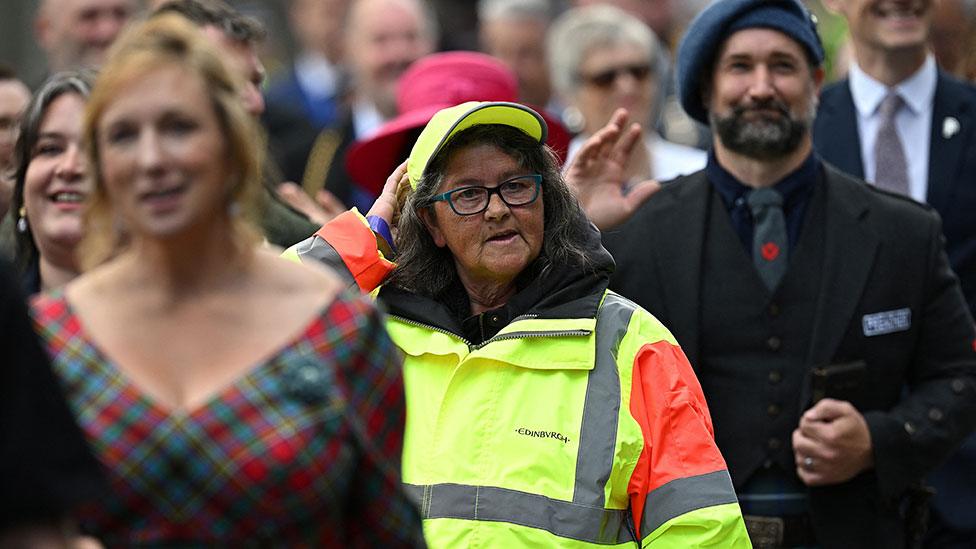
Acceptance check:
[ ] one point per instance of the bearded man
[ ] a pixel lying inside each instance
(832, 341)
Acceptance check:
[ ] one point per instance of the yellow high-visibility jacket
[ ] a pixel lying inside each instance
(579, 424)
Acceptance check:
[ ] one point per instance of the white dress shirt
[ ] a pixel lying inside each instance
(913, 122)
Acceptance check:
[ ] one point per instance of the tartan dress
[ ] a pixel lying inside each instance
(302, 450)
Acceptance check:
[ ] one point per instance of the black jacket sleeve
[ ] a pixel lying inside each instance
(45, 464)
(939, 409)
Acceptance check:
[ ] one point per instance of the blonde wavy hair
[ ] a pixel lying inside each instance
(165, 41)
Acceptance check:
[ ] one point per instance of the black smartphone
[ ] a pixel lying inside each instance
(842, 381)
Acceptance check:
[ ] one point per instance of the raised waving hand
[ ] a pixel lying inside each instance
(597, 174)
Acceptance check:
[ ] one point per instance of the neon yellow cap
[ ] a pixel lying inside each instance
(452, 120)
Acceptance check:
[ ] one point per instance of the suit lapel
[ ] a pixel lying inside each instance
(952, 130)
(836, 136)
(679, 260)
(850, 248)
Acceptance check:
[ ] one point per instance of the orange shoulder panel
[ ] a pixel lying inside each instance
(667, 402)
(355, 243)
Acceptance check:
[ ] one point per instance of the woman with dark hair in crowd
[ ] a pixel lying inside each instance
(544, 410)
(234, 399)
(50, 182)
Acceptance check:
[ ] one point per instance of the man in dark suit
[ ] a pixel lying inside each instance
(769, 264)
(937, 130)
(942, 153)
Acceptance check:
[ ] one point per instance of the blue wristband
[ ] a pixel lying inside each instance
(379, 226)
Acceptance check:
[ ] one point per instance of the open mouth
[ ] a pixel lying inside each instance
(163, 198)
(503, 237)
(67, 197)
(161, 194)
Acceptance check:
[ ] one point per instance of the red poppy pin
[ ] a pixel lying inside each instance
(770, 251)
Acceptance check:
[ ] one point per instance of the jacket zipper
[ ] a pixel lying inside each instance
(429, 327)
(527, 335)
(512, 335)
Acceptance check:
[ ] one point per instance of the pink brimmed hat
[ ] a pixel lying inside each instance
(433, 83)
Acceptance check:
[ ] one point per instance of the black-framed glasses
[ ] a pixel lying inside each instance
(607, 77)
(473, 199)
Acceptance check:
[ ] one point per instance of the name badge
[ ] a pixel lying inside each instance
(887, 322)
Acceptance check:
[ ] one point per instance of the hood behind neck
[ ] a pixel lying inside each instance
(546, 290)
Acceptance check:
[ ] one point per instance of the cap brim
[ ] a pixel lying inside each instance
(508, 114)
(371, 161)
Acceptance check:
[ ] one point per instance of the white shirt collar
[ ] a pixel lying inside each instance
(917, 90)
(366, 118)
(316, 75)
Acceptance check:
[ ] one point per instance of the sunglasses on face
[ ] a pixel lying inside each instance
(607, 77)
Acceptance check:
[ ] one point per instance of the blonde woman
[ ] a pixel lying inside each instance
(232, 397)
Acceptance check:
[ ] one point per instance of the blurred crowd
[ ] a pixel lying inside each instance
(341, 84)
(624, 97)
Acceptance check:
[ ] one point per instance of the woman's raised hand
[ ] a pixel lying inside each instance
(386, 205)
(596, 174)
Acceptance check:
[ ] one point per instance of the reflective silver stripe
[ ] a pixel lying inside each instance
(585, 518)
(684, 495)
(320, 250)
(598, 431)
(486, 503)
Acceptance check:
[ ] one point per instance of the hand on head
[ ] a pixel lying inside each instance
(597, 174)
(388, 205)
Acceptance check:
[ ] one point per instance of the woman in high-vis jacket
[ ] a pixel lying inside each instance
(543, 410)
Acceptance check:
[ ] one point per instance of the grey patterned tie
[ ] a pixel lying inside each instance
(891, 168)
(770, 249)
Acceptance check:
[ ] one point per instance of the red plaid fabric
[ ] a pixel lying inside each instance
(303, 450)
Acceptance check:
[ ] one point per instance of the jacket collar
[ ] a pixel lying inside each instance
(953, 123)
(557, 292)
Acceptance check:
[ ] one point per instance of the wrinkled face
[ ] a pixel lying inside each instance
(887, 25)
(614, 76)
(55, 182)
(14, 97)
(163, 154)
(494, 246)
(520, 44)
(77, 33)
(385, 37)
(243, 59)
(763, 96)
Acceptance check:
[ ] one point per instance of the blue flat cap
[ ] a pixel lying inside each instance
(720, 19)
